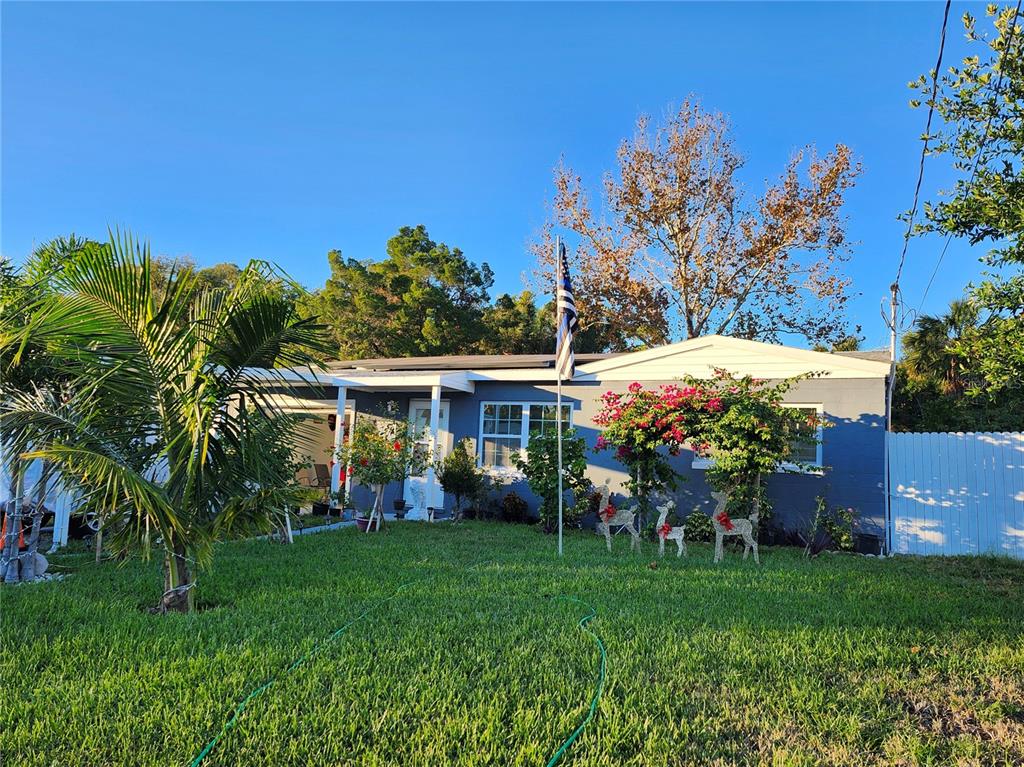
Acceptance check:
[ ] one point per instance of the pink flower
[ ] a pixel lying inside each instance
(714, 405)
(602, 443)
(636, 387)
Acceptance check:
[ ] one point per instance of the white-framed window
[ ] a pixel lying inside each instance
(506, 427)
(803, 452)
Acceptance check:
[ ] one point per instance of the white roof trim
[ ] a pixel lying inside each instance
(833, 364)
(388, 380)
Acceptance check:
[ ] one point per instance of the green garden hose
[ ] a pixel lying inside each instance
(315, 649)
(558, 755)
(599, 688)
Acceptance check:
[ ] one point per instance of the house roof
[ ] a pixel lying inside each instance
(462, 362)
(697, 357)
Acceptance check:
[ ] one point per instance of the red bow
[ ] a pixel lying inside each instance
(664, 530)
(608, 513)
(723, 519)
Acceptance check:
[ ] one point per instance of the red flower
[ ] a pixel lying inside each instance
(397, 446)
(723, 519)
(664, 530)
(636, 387)
(608, 512)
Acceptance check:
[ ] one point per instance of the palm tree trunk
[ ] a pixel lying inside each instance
(28, 565)
(178, 582)
(9, 564)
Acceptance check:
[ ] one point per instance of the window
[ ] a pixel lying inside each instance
(506, 427)
(501, 434)
(803, 452)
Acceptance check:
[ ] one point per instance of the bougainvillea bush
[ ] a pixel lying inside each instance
(741, 424)
(381, 450)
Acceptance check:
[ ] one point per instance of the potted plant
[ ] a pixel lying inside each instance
(381, 450)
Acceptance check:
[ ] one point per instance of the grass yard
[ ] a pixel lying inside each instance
(845, 660)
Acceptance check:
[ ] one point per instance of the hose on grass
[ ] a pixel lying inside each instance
(317, 648)
(598, 689)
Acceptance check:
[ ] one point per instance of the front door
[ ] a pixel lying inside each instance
(419, 487)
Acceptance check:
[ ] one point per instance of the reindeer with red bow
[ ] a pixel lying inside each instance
(725, 526)
(667, 532)
(608, 515)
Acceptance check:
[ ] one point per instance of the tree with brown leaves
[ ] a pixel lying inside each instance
(679, 250)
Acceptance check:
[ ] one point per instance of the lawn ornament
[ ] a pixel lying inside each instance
(725, 526)
(608, 515)
(667, 532)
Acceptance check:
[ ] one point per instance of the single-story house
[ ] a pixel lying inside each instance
(497, 400)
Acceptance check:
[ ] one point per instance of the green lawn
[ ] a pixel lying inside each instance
(844, 660)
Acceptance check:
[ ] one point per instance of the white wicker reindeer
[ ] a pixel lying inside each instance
(667, 532)
(608, 515)
(725, 526)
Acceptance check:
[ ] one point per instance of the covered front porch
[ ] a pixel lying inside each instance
(427, 398)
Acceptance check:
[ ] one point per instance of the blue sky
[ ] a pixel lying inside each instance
(279, 131)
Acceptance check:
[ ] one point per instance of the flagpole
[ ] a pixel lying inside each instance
(558, 407)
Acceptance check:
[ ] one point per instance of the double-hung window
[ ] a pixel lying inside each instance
(506, 428)
(802, 451)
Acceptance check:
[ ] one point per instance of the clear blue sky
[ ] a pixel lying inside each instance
(280, 131)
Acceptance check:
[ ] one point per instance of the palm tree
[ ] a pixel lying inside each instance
(171, 408)
(930, 350)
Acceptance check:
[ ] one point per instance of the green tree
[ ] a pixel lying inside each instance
(514, 325)
(424, 298)
(459, 475)
(981, 105)
(540, 466)
(941, 383)
(162, 423)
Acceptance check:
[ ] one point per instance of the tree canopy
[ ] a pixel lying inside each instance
(678, 250)
(424, 298)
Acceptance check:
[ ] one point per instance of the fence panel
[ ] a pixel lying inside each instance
(957, 493)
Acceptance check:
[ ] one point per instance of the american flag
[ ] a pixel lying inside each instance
(568, 322)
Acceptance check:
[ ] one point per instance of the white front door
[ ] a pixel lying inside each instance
(419, 491)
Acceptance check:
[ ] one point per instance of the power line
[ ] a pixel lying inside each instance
(927, 136)
(981, 146)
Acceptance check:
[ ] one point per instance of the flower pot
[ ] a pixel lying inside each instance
(362, 523)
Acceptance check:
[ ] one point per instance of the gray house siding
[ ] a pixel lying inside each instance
(852, 451)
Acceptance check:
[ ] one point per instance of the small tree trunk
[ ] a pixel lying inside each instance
(378, 509)
(10, 564)
(28, 565)
(178, 582)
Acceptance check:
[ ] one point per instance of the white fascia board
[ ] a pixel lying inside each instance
(456, 380)
(836, 366)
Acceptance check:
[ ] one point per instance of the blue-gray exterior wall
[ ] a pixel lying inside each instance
(852, 449)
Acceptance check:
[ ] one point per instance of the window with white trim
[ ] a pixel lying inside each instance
(802, 452)
(506, 428)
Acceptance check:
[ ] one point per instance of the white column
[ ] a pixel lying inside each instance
(435, 427)
(339, 434)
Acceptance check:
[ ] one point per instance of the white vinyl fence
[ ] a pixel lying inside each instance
(957, 493)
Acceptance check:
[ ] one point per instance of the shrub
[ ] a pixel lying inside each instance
(699, 527)
(458, 474)
(540, 465)
(513, 508)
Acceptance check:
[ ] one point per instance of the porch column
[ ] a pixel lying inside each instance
(339, 434)
(435, 425)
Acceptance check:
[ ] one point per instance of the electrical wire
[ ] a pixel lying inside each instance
(981, 146)
(927, 137)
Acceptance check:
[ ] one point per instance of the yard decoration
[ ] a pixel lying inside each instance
(609, 516)
(667, 532)
(724, 526)
(381, 450)
(740, 424)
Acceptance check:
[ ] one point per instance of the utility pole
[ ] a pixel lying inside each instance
(889, 385)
